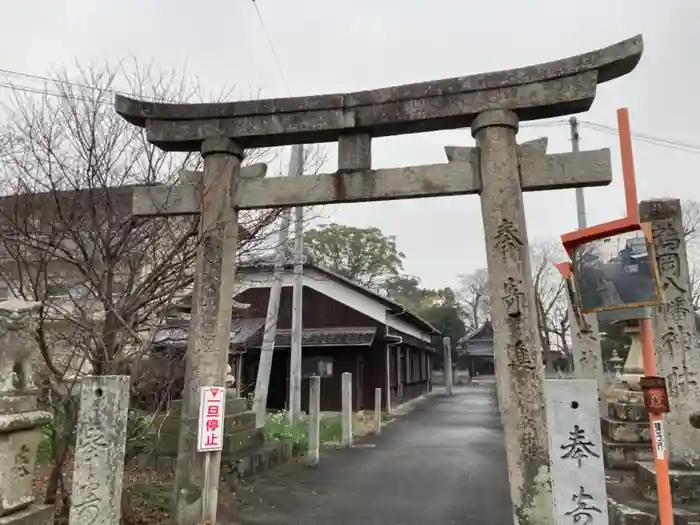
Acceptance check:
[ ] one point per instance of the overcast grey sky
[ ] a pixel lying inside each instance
(336, 46)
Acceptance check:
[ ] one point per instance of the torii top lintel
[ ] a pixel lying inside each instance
(546, 90)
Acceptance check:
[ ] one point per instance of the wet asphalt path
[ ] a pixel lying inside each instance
(442, 464)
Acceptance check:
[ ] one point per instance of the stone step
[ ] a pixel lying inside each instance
(234, 405)
(634, 514)
(627, 412)
(624, 456)
(165, 429)
(239, 422)
(626, 506)
(253, 461)
(234, 443)
(625, 431)
(625, 395)
(685, 484)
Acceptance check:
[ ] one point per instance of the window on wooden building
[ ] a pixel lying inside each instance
(317, 366)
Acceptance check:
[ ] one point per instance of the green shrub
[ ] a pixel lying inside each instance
(331, 430)
(279, 427)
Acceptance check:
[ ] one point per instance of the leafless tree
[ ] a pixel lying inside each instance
(691, 218)
(68, 239)
(550, 297)
(473, 295)
(693, 254)
(691, 230)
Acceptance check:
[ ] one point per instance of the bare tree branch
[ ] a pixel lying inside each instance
(473, 295)
(68, 240)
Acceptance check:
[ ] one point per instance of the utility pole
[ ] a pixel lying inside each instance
(580, 199)
(297, 169)
(267, 348)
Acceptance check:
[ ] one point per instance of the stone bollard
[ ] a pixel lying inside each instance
(377, 411)
(99, 451)
(346, 421)
(314, 420)
(20, 418)
(449, 374)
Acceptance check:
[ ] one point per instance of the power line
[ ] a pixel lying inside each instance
(602, 128)
(11, 73)
(648, 139)
(272, 48)
(37, 91)
(62, 82)
(544, 123)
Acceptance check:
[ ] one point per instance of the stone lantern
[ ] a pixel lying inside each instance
(20, 418)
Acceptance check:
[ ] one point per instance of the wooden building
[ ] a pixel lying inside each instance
(475, 350)
(347, 328)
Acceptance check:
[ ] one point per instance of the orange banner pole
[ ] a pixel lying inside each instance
(656, 421)
(628, 176)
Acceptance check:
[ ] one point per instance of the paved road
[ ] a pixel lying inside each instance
(443, 464)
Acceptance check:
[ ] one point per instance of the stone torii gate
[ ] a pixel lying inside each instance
(498, 169)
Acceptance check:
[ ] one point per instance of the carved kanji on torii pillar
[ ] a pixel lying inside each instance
(498, 169)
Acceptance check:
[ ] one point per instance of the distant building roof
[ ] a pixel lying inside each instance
(478, 342)
(483, 333)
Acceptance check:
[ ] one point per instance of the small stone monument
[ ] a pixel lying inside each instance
(578, 475)
(20, 418)
(99, 451)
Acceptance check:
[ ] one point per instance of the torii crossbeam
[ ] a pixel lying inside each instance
(498, 169)
(553, 89)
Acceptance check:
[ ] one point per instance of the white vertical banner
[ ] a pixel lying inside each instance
(659, 439)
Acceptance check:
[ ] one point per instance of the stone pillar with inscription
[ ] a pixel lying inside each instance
(98, 470)
(210, 325)
(677, 351)
(519, 370)
(578, 474)
(585, 346)
(20, 418)
(677, 347)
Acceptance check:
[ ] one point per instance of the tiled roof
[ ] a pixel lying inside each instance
(241, 331)
(483, 333)
(322, 337)
(249, 332)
